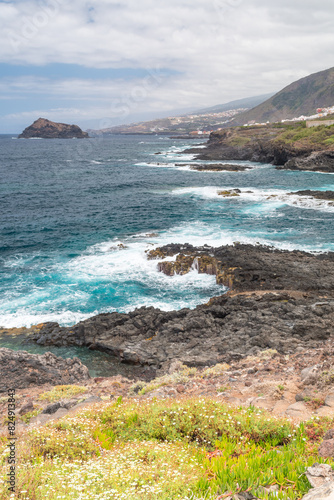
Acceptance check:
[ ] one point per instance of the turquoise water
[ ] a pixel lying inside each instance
(66, 205)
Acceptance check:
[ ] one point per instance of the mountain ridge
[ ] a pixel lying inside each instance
(300, 98)
(210, 118)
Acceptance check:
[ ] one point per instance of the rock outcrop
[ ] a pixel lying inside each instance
(246, 268)
(322, 161)
(215, 167)
(20, 369)
(269, 144)
(227, 328)
(46, 129)
(262, 310)
(319, 195)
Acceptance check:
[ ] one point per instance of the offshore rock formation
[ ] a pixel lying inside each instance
(319, 195)
(45, 129)
(215, 167)
(20, 369)
(263, 310)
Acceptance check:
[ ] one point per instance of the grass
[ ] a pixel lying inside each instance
(180, 376)
(170, 449)
(62, 392)
(31, 414)
(322, 136)
(291, 135)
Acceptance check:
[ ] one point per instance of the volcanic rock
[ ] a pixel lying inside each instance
(319, 195)
(215, 167)
(262, 310)
(322, 161)
(46, 129)
(20, 369)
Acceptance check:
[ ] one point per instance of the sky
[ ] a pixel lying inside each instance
(98, 63)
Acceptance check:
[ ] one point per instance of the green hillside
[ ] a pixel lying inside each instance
(299, 98)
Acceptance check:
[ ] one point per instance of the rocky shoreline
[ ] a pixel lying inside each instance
(277, 299)
(266, 145)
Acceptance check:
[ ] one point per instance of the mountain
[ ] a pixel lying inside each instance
(46, 129)
(248, 102)
(300, 98)
(207, 119)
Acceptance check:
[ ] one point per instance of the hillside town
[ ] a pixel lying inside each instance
(193, 124)
(320, 114)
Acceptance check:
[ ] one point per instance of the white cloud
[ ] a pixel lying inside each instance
(223, 49)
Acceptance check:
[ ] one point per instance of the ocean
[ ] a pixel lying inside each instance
(77, 217)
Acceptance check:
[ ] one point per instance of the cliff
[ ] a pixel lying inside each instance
(46, 129)
(288, 146)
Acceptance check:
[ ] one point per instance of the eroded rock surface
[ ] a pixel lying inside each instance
(322, 161)
(227, 328)
(246, 267)
(262, 310)
(20, 369)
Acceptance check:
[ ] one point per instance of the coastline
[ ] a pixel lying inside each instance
(302, 150)
(147, 340)
(276, 299)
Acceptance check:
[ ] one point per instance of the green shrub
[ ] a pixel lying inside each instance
(61, 392)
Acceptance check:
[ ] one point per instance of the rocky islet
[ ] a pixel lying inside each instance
(46, 129)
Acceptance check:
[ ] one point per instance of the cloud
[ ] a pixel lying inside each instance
(214, 51)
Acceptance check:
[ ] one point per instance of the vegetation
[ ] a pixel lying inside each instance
(301, 136)
(61, 392)
(293, 135)
(168, 449)
(31, 414)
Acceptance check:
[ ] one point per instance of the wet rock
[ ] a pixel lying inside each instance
(319, 195)
(227, 328)
(318, 161)
(262, 311)
(229, 193)
(216, 167)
